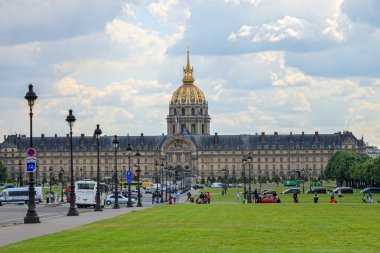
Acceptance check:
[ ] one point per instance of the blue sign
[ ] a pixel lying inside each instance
(31, 164)
(129, 177)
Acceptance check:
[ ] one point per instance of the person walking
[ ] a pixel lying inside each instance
(237, 196)
(208, 198)
(332, 197)
(315, 197)
(295, 198)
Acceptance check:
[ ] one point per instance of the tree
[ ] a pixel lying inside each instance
(3, 172)
(339, 165)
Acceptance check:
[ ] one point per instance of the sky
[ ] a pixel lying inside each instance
(264, 65)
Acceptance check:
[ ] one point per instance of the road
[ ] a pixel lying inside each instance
(14, 213)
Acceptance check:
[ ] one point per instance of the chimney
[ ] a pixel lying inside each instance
(142, 138)
(81, 139)
(275, 136)
(216, 139)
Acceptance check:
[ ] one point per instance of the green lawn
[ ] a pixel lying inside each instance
(286, 227)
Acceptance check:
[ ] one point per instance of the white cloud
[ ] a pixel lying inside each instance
(285, 28)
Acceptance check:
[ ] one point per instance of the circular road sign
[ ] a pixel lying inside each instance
(31, 152)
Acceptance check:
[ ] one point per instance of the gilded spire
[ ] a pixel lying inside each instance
(188, 71)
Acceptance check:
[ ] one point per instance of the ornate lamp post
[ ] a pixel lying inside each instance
(156, 172)
(115, 143)
(310, 178)
(162, 183)
(72, 210)
(244, 178)
(129, 151)
(31, 215)
(20, 184)
(50, 181)
(249, 159)
(62, 180)
(139, 204)
(303, 181)
(98, 207)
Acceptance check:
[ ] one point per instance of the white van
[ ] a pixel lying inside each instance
(217, 185)
(19, 195)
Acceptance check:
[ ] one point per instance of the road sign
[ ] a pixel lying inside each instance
(129, 177)
(31, 152)
(31, 164)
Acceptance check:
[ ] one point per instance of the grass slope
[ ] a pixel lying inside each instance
(223, 228)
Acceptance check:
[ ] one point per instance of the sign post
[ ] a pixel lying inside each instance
(129, 177)
(30, 164)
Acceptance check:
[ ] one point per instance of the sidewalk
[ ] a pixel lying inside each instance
(20, 232)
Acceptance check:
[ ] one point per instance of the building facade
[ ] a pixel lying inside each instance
(187, 150)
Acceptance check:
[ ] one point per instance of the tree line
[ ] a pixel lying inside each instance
(354, 170)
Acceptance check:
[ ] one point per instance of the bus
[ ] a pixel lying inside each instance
(85, 193)
(19, 195)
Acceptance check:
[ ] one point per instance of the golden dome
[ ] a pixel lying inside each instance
(188, 93)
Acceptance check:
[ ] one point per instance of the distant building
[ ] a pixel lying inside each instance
(187, 150)
(372, 151)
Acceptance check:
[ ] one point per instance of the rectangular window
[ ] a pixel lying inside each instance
(192, 128)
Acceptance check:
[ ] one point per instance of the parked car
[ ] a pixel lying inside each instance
(317, 190)
(198, 186)
(270, 198)
(291, 191)
(343, 190)
(371, 190)
(148, 190)
(122, 200)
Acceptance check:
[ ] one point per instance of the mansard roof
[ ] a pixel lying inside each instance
(202, 142)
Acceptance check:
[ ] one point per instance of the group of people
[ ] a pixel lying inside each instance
(204, 198)
(368, 198)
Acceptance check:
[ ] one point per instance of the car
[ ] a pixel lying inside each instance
(269, 198)
(198, 186)
(343, 190)
(122, 200)
(291, 191)
(371, 190)
(317, 190)
(148, 190)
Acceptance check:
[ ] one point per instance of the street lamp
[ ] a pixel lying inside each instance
(166, 183)
(50, 195)
(139, 204)
(129, 151)
(303, 181)
(115, 143)
(310, 178)
(156, 172)
(72, 210)
(244, 178)
(62, 180)
(249, 159)
(97, 133)
(31, 215)
(19, 174)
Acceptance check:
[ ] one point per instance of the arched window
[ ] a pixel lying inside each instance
(175, 111)
(183, 111)
(201, 111)
(192, 111)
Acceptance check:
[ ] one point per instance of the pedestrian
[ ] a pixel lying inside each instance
(208, 198)
(340, 193)
(153, 198)
(237, 196)
(332, 197)
(256, 195)
(295, 198)
(315, 197)
(170, 199)
(188, 195)
(222, 192)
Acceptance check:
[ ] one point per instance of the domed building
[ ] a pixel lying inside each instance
(187, 152)
(188, 109)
